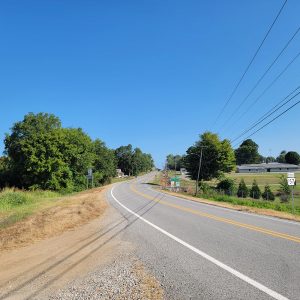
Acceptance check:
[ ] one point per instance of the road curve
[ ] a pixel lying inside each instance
(199, 251)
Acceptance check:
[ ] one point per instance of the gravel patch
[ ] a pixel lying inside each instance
(125, 278)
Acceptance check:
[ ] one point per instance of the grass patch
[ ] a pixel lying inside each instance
(15, 205)
(283, 207)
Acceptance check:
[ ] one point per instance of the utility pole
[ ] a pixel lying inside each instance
(199, 167)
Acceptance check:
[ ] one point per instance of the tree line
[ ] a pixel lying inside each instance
(41, 154)
(219, 157)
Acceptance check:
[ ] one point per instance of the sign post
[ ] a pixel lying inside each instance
(89, 176)
(175, 183)
(292, 182)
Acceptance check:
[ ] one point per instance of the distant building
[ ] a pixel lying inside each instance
(270, 167)
(119, 173)
(183, 171)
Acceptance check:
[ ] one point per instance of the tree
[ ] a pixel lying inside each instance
(171, 159)
(292, 157)
(255, 192)
(133, 162)
(247, 153)
(4, 171)
(281, 157)
(33, 148)
(218, 157)
(268, 194)
(124, 158)
(242, 191)
(42, 154)
(105, 163)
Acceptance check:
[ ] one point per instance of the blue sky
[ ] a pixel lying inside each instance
(151, 73)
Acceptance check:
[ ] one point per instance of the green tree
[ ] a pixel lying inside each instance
(133, 162)
(292, 157)
(270, 159)
(247, 153)
(218, 157)
(281, 157)
(268, 194)
(242, 191)
(105, 163)
(33, 148)
(124, 159)
(77, 152)
(4, 172)
(255, 192)
(42, 154)
(171, 159)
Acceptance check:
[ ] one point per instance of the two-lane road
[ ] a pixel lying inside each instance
(199, 251)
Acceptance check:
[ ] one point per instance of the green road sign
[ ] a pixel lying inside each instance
(175, 179)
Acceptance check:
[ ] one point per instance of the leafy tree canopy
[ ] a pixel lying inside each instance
(42, 154)
(292, 157)
(247, 153)
(218, 157)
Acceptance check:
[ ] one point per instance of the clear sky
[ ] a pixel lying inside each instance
(151, 73)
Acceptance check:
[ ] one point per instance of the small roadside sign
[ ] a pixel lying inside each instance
(291, 181)
(175, 179)
(90, 173)
(290, 175)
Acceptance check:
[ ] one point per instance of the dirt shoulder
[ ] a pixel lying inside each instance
(260, 211)
(67, 213)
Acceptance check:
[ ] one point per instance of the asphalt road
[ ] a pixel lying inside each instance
(199, 251)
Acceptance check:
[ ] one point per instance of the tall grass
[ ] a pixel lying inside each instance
(15, 204)
(284, 207)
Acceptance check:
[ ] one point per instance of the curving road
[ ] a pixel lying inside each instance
(199, 251)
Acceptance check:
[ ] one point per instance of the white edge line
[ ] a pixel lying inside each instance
(234, 272)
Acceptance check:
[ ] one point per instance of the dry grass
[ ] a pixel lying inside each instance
(151, 289)
(66, 213)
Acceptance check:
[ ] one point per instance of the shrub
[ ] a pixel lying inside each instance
(12, 198)
(204, 187)
(255, 192)
(285, 189)
(227, 185)
(242, 191)
(268, 194)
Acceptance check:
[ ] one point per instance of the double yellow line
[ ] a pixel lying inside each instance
(220, 219)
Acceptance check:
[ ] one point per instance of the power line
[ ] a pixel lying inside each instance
(270, 112)
(262, 77)
(273, 119)
(267, 88)
(250, 63)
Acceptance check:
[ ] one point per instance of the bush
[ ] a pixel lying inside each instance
(255, 192)
(242, 191)
(227, 185)
(11, 198)
(285, 189)
(268, 194)
(204, 187)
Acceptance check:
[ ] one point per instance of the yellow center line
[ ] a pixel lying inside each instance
(220, 219)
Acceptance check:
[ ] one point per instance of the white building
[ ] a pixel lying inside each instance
(270, 167)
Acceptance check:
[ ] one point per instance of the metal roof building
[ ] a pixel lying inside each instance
(270, 167)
